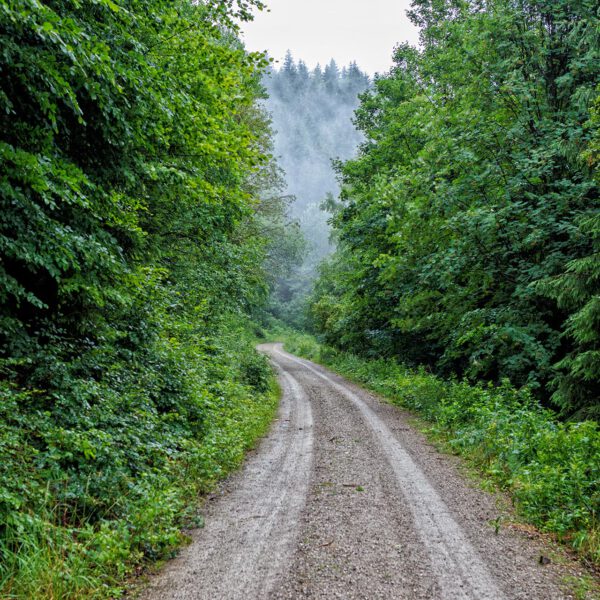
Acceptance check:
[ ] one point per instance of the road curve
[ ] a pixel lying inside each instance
(251, 527)
(344, 500)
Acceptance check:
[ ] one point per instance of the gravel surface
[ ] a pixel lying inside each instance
(344, 499)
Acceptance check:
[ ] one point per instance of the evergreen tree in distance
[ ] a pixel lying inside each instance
(312, 112)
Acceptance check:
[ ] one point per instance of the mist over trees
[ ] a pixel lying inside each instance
(312, 113)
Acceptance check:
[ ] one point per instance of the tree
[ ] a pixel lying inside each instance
(331, 76)
(470, 190)
(577, 292)
(134, 190)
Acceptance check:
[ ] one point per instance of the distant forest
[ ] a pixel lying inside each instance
(312, 113)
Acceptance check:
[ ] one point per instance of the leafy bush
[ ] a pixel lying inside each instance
(85, 496)
(133, 210)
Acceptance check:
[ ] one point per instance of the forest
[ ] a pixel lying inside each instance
(312, 112)
(160, 197)
(469, 228)
(141, 226)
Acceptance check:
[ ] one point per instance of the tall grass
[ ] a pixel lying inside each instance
(43, 560)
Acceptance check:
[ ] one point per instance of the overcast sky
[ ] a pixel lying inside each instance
(346, 30)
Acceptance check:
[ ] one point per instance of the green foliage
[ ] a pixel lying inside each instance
(577, 291)
(87, 496)
(49, 561)
(134, 164)
(552, 469)
(467, 230)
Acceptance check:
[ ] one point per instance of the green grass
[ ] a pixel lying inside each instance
(551, 468)
(43, 560)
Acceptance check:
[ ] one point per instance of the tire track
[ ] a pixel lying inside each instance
(460, 571)
(354, 506)
(250, 531)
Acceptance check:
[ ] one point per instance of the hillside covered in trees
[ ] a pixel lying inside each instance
(470, 223)
(312, 113)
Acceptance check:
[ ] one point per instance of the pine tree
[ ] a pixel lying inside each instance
(331, 76)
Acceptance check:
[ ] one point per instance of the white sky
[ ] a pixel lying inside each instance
(346, 30)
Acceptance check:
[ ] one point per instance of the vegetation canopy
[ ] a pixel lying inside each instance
(468, 232)
(136, 192)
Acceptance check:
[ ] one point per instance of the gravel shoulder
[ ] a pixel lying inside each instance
(343, 499)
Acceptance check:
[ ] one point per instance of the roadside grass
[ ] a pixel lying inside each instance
(583, 587)
(550, 468)
(42, 560)
(53, 549)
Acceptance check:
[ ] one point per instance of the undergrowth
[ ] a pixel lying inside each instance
(87, 498)
(551, 468)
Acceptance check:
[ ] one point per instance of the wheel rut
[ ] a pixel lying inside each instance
(344, 499)
(252, 524)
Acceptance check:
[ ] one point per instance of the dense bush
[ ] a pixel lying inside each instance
(552, 469)
(135, 188)
(88, 494)
(468, 229)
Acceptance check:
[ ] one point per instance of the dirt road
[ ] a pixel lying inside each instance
(344, 500)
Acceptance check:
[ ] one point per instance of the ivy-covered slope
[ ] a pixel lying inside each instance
(134, 173)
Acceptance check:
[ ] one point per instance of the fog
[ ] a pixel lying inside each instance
(312, 113)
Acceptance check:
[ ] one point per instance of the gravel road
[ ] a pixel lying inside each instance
(343, 499)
